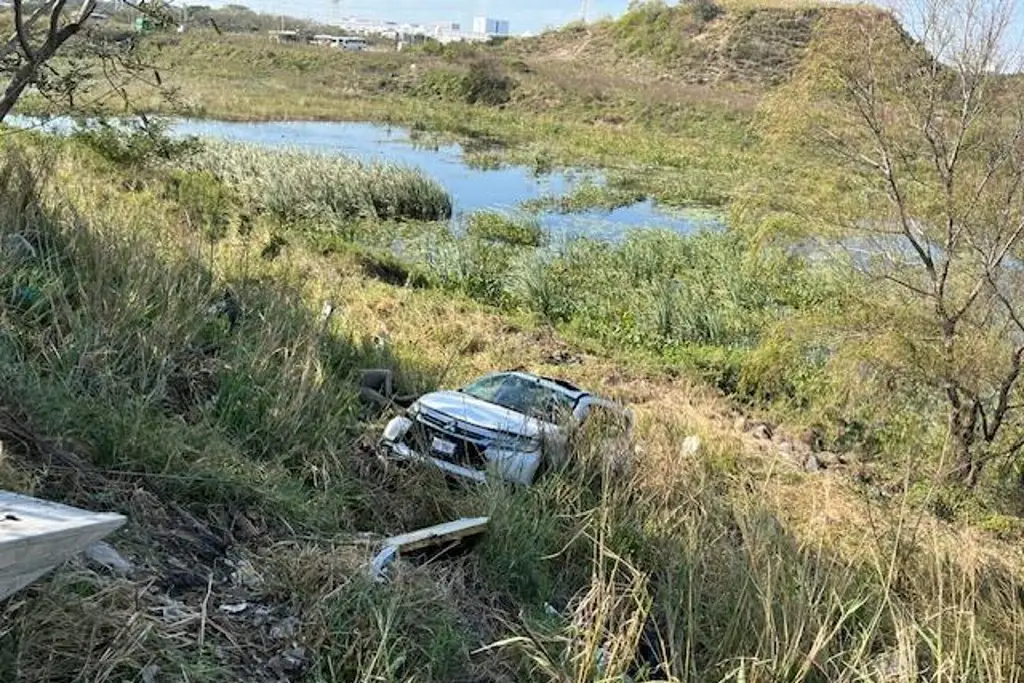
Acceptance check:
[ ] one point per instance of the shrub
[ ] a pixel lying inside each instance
(206, 202)
(135, 143)
(445, 84)
(518, 231)
(298, 186)
(705, 10)
(487, 83)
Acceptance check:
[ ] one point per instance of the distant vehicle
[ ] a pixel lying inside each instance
(351, 43)
(508, 424)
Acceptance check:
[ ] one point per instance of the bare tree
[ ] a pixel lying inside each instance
(920, 143)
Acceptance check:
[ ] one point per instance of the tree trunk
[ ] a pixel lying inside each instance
(19, 82)
(968, 465)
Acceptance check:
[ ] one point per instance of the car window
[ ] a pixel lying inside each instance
(523, 395)
(486, 387)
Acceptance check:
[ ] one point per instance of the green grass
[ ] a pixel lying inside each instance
(522, 231)
(588, 196)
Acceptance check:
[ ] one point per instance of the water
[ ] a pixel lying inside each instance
(472, 189)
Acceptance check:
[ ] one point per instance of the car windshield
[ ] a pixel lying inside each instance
(523, 395)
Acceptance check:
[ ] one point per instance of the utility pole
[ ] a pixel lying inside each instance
(584, 10)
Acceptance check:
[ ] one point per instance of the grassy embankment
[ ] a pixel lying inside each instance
(236, 452)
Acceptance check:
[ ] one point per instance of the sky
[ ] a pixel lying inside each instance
(524, 15)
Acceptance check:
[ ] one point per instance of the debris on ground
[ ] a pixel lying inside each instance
(377, 388)
(236, 608)
(105, 556)
(692, 446)
(150, 674)
(450, 534)
(38, 535)
(18, 249)
(244, 574)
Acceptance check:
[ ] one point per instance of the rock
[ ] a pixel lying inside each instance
(244, 528)
(150, 673)
(812, 439)
(286, 629)
(740, 424)
(812, 464)
(828, 459)
(759, 430)
(102, 555)
(246, 575)
(692, 446)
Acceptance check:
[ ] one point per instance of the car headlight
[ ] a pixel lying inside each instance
(397, 428)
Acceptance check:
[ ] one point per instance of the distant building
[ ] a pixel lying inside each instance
(490, 27)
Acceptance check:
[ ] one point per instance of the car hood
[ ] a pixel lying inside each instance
(465, 408)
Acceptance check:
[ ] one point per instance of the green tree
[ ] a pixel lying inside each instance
(912, 165)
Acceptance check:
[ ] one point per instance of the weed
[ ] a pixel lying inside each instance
(521, 231)
(135, 143)
(329, 190)
(207, 204)
(486, 83)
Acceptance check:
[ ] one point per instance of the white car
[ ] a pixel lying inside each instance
(507, 424)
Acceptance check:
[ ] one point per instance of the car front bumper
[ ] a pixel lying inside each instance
(518, 467)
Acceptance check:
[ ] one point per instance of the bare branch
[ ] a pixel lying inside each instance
(56, 37)
(21, 32)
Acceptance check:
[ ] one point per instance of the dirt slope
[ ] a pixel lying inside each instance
(696, 43)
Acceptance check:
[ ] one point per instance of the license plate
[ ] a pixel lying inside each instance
(443, 447)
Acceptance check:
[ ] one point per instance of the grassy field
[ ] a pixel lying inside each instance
(238, 451)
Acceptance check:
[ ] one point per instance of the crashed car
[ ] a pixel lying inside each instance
(508, 424)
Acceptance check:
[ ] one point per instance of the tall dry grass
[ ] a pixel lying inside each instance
(298, 186)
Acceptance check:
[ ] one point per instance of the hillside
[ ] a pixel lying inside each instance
(701, 43)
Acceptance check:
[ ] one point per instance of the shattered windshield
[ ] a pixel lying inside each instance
(523, 395)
